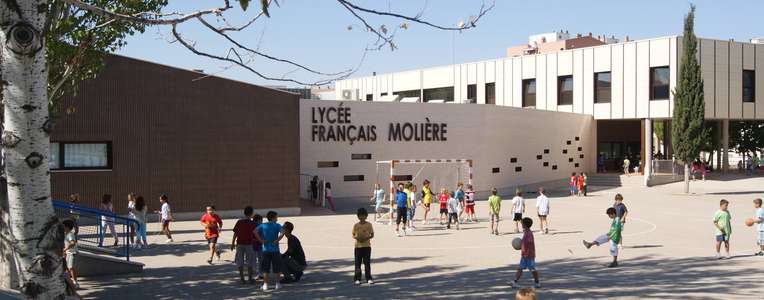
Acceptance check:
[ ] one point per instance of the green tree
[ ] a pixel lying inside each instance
(688, 133)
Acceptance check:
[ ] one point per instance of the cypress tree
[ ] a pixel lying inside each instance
(687, 130)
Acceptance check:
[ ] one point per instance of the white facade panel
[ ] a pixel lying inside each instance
(749, 50)
(674, 59)
(659, 109)
(565, 63)
(602, 58)
(749, 110)
(602, 111)
(509, 88)
(481, 82)
(643, 79)
(587, 82)
(472, 73)
(438, 77)
(722, 79)
(735, 80)
(464, 82)
(629, 80)
(660, 52)
(616, 75)
(529, 67)
(541, 83)
(406, 81)
(759, 81)
(578, 79)
(458, 84)
(708, 71)
(499, 80)
(490, 70)
(551, 76)
(517, 80)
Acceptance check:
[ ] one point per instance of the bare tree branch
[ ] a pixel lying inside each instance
(157, 19)
(417, 19)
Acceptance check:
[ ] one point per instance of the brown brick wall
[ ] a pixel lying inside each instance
(202, 141)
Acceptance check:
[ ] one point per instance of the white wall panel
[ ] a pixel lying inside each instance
(707, 69)
(490, 70)
(749, 110)
(616, 101)
(517, 89)
(551, 76)
(578, 79)
(464, 81)
(660, 52)
(529, 67)
(629, 80)
(659, 109)
(472, 73)
(736, 80)
(602, 58)
(602, 111)
(674, 59)
(480, 82)
(748, 56)
(509, 87)
(438, 77)
(405, 81)
(541, 83)
(643, 79)
(759, 81)
(565, 63)
(499, 79)
(722, 79)
(587, 84)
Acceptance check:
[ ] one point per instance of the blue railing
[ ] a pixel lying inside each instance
(90, 230)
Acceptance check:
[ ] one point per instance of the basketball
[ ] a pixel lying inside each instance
(749, 222)
(516, 243)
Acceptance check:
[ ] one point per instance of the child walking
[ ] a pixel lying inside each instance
(453, 207)
(542, 207)
(527, 255)
(518, 209)
(377, 199)
(443, 201)
(71, 250)
(243, 235)
(139, 213)
(401, 203)
(165, 217)
(212, 225)
(723, 224)
(470, 207)
(759, 219)
(494, 208)
(613, 235)
(108, 222)
(573, 184)
(363, 232)
(460, 196)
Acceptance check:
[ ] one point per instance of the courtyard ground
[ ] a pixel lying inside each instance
(668, 254)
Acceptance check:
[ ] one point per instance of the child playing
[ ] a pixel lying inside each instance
(269, 234)
(542, 207)
(70, 250)
(573, 184)
(363, 232)
(401, 203)
(453, 207)
(293, 257)
(243, 233)
(470, 207)
(165, 217)
(378, 198)
(412, 206)
(759, 219)
(459, 195)
(257, 219)
(613, 235)
(212, 225)
(426, 199)
(494, 207)
(620, 213)
(527, 255)
(107, 222)
(580, 183)
(443, 201)
(518, 209)
(723, 224)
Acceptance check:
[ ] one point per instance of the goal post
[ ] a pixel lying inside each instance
(395, 162)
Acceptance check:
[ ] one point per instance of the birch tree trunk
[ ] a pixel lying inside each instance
(686, 178)
(37, 237)
(9, 278)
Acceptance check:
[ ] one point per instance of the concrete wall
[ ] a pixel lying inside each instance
(489, 135)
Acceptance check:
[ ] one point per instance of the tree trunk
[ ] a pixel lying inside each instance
(9, 278)
(37, 237)
(686, 178)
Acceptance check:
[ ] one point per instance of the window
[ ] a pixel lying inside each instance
(513, 160)
(565, 90)
(602, 87)
(80, 156)
(472, 93)
(403, 177)
(408, 94)
(495, 170)
(353, 178)
(328, 164)
(490, 93)
(360, 156)
(384, 94)
(529, 93)
(749, 86)
(659, 83)
(445, 93)
(538, 157)
(369, 97)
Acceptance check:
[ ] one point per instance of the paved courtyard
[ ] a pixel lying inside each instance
(668, 254)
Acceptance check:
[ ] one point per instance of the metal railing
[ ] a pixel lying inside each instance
(92, 226)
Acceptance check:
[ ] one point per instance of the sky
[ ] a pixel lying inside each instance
(315, 33)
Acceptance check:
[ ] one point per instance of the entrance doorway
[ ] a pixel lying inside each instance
(616, 140)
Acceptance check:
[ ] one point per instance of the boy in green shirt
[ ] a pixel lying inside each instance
(494, 207)
(613, 235)
(722, 222)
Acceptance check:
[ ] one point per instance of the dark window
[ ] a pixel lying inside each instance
(80, 156)
(567, 142)
(445, 93)
(369, 97)
(529, 93)
(353, 178)
(402, 177)
(564, 151)
(360, 156)
(495, 170)
(602, 85)
(576, 165)
(659, 83)
(749, 86)
(518, 169)
(472, 93)
(513, 160)
(383, 94)
(546, 151)
(490, 93)
(580, 149)
(546, 163)
(328, 164)
(408, 94)
(565, 90)
(570, 159)
(581, 156)
(578, 139)
(554, 167)
(538, 156)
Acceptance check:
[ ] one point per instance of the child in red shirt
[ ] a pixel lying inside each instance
(528, 254)
(443, 201)
(212, 225)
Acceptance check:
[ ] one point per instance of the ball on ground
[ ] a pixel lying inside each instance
(749, 222)
(516, 243)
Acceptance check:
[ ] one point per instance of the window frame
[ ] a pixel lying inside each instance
(448, 91)
(752, 87)
(62, 156)
(597, 98)
(369, 97)
(525, 94)
(653, 87)
(490, 97)
(560, 82)
(472, 93)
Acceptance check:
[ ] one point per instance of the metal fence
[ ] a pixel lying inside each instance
(98, 230)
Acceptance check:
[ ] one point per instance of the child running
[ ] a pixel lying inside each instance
(378, 198)
(723, 224)
(518, 209)
(401, 203)
(542, 207)
(363, 232)
(426, 200)
(453, 207)
(243, 235)
(212, 225)
(494, 208)
(527, 255)
(469, 209)
(759, 219)
(443, 201)
(613, 235)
